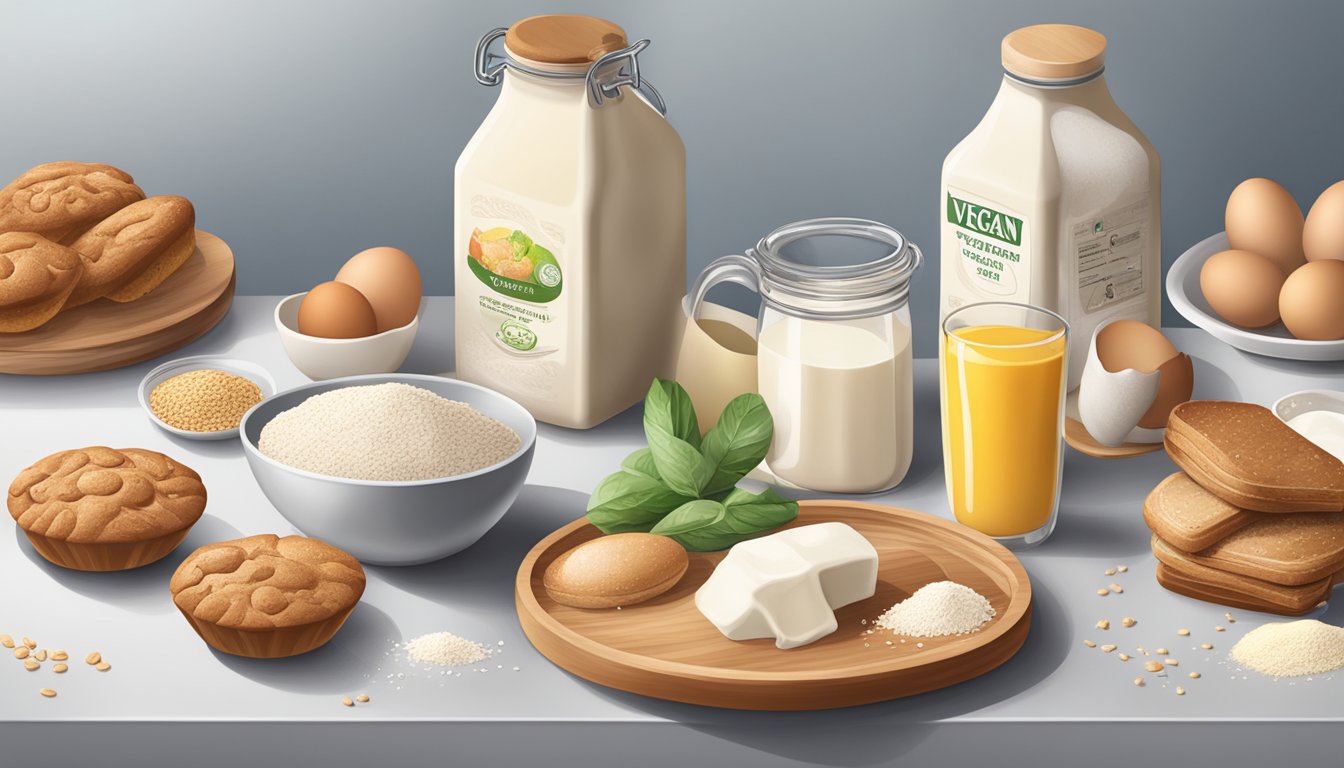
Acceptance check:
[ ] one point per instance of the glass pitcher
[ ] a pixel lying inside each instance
(834, 356)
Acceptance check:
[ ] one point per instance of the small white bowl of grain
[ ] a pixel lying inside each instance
(203, 397)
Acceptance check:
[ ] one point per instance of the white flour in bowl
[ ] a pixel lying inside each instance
(386, 432)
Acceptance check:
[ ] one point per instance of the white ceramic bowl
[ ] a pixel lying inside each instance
(1288, 406)
(1274, 341)
(320, 359)
(389, 522)
(248, 370)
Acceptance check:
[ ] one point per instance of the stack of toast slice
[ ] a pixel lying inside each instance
(1256, 518)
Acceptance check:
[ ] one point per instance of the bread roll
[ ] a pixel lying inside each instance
(130, 252)
(62, 200)
(36, 279)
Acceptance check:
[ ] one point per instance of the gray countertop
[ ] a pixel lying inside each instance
(163, 673)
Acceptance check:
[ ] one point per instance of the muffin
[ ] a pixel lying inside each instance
(106, 509)
(265, 597)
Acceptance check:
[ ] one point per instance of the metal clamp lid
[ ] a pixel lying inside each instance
(602, 80)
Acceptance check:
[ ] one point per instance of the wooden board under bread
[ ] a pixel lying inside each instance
(106, 334)
(666, 649)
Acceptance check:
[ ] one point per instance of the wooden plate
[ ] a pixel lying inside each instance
(1079, 439)
(665, 649)
(106, 334)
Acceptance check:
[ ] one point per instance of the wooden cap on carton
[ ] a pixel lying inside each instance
(1053, 51)
(564, 38)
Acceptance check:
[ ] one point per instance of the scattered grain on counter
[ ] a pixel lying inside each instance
(1195, 675)
(347, 701)
(6, 641)
(1183, 632)
(445, 649)
(1206, 646)
(60, 668)
(49, 693)
(1117, 589)
(1102, 592)
(93, 658)
(1107, 648)
(386, 432)
(205, 400)
(362, 698)
(1122, 568)
(1128, 621)
(1291, 649)
(1180, 691)
(102, 666)
(1138, 681)
(1104, 624)
(1153, 666)
(1089, 644)
(938, 609)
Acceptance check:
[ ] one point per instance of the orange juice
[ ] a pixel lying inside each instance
(1003, 398)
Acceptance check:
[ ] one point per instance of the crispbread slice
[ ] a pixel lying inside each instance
(1178, 573)
(1245, 455)
(1283, 549)
(1190, 518)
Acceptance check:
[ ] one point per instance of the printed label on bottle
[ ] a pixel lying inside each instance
(989, 246)
(1109, 250)
(515, 256)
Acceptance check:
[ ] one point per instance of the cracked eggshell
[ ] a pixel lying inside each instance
(1132, 378)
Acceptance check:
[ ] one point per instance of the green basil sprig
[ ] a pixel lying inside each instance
(684, 487)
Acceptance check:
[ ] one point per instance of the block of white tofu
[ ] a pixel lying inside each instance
(787, 585)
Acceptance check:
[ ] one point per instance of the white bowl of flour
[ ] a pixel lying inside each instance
(396, 469)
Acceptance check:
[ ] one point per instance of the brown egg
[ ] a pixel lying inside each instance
(1263, 218)
(391, 282)
(1323, 234)
(1242, 287)
(1130, 344)
(1312, 301)
(336, 311)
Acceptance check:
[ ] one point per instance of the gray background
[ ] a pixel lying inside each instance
(306, 131)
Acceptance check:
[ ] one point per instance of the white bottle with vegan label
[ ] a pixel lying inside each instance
(1054, 198)
(569, 225)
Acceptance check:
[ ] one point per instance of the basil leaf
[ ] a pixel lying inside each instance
(738, 442)
(681, 467)
(641, 463)
(752, 513)
(698, 526)
(691, 516)
(626, 501)
(668, 408)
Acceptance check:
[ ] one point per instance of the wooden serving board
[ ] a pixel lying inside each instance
(106, 334)
(666, 649)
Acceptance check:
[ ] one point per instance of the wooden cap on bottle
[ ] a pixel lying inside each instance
(1053, 51)
(564, 38)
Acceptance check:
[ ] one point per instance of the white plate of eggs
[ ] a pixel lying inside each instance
(1273, 283)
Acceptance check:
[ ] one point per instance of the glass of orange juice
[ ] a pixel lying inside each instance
(1002, 371)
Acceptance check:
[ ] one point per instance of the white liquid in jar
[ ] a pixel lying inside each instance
(842, 401)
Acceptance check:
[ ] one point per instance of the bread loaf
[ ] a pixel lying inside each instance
(61, 200)
(36, 279)
(129, 253)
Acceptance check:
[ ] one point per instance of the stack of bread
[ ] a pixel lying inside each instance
(72, 233)
(1256, 518)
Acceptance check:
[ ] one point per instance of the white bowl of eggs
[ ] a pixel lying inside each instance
(1272, 283)
(362, 322)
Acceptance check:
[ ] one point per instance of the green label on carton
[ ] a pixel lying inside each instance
(984, 220)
